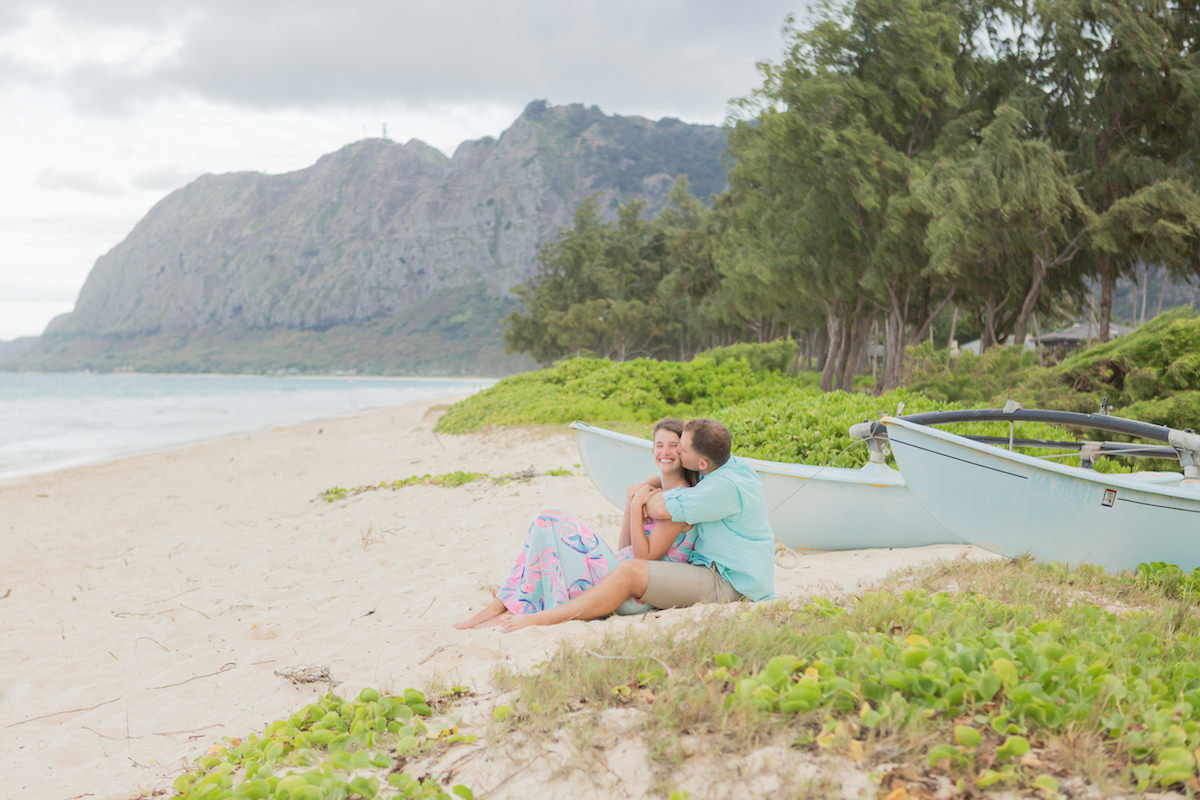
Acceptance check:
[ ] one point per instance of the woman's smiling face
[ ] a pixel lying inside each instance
(666, 451)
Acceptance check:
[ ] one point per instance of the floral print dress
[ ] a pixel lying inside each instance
(562, 557)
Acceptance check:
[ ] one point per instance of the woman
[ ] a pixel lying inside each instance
(562, 556)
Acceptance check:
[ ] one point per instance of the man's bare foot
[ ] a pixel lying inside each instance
(492, 609)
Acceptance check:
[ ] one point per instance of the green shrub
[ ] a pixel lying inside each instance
(975, 380)
(602, 391)
(770, 416)
(1142, 384)
(1180, 410)
(813, 427)
(777, 356)
(1150, 374)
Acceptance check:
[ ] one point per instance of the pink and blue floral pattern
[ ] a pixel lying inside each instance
(561, 558)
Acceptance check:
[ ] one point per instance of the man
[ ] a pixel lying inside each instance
(734, 553)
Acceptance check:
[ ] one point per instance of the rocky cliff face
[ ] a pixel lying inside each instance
(375, 229)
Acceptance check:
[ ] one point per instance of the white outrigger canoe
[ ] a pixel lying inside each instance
(814, 508)
(1015, 504)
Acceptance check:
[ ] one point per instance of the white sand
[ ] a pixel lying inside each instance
(146, 604)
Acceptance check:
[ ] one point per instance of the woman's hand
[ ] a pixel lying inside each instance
(631, 525)
(642, 494)
(637, 506)
(637, 510)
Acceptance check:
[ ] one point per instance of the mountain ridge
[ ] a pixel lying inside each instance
(369, 233)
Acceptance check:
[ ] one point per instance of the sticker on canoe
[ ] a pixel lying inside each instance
(1110, 497)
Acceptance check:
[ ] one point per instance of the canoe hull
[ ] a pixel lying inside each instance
(817, 508)
(1014, 504)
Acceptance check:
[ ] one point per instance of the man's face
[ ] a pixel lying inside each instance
(688, 456)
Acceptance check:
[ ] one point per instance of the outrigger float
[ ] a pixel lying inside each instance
(1014, 504)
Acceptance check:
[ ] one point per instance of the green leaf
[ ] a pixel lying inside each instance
(1007, 671)
(1013, 747)
(1046, 784)
(990, 777)
(967, 736)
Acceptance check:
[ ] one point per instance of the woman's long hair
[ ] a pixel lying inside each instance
(675, 426)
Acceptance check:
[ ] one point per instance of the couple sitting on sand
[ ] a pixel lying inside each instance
(696, 532)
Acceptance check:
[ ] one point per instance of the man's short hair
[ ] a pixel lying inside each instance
(710, 439)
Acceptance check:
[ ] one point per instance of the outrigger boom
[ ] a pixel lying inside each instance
(1183, 445)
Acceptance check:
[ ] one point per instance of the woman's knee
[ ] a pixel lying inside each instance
(632, 571)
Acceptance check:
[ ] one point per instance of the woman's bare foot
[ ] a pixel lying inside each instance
(496, 620)
(492, 609)
(514, 622)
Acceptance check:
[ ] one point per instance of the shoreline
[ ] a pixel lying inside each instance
(15, 474)
(10, 479)
(153, 602)
(294, 375)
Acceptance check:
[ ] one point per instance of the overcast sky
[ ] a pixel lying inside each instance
(109, 105)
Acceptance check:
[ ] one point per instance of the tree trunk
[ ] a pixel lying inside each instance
(893, 352)
(926, 324)
(987, 337)
(820, 347)
(833, 327)
(854, 356)
(1037, 337)
(1145, 275)
(846, 335)
(950, 341)
(1162, 290)
(1031, 298)
(854, 337)
(1107, 279)
(1093, 326)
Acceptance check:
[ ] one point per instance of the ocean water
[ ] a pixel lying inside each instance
(51, 421)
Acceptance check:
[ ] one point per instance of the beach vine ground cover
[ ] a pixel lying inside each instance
(1026, 677)
(967, 676)
(446, 480)
(333, 749)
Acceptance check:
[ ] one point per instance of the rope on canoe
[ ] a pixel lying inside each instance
(781, 549)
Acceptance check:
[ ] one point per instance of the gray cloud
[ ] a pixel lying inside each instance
(685, 58)
(166, 177)
(66, 229)
(13, 72)
(142, 14)
(12, 14)
(56, 179)
(17, 291)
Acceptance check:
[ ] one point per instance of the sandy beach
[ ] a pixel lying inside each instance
(147, 604)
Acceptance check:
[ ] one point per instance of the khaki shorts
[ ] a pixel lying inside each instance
(672, 585)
